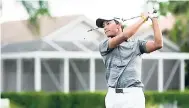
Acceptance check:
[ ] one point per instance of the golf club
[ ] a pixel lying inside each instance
(155, 11)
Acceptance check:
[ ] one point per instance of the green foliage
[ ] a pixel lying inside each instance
(87, 99)
(180, 32)
(13, 105)
(175, 7)
(35, 9)
(168, 97)
(163, 7)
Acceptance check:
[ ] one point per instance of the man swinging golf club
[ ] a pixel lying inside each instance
(121, 57)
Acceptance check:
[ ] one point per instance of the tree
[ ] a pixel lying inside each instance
(35, 9)
(180, 32)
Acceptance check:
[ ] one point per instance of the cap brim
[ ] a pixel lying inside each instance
(100, 21)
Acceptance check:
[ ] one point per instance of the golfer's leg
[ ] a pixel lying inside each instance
(134, 99)
(114, 100)
(141, 102)
(128, 100)
(108, 100)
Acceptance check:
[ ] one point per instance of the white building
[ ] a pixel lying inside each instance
(66, 58)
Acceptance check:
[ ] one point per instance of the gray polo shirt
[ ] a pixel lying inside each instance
(123, 63)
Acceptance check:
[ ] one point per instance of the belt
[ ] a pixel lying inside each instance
(130, 86)
(124, 90)
(117, 90)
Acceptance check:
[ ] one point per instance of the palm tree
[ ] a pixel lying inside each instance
(35, 9)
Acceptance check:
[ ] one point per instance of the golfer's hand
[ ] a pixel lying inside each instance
(145, 16)
(153, 16)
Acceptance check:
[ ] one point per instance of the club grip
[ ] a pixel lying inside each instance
(155, 11)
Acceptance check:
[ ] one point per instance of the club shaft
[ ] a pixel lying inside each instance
(137, 16)
(155, 11)
(130, 18)
(92, 29)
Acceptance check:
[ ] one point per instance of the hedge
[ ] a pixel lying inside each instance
(87, 99)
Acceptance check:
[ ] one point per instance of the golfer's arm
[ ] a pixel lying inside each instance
(126, 34)
(131, 30)
(158, 41)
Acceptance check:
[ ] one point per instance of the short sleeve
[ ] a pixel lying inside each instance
(104, 47)
(142, 46)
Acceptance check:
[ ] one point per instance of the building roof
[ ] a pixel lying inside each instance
(41, 45)
(18, 31)
(21, 39)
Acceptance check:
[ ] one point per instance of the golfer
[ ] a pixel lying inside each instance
(122, 59)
